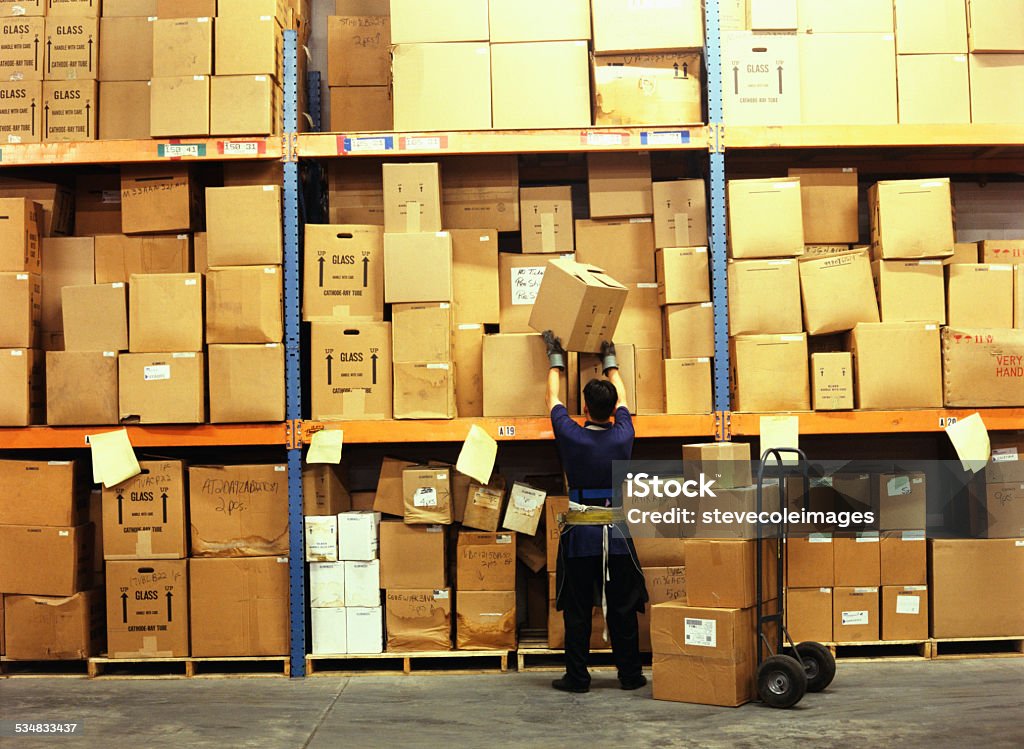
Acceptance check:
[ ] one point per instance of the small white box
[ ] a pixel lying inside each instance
(330, 631)
(365, 630)
(357, 536)
(322, 539)
(326, 585)
(362, 583)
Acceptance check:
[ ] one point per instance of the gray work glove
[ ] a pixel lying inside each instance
(608, 360)
(556, 354)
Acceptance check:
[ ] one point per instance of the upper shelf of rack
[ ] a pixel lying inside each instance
(874, 136)
(140, 151)
(881, 422)
(323, 145)
(204, 435)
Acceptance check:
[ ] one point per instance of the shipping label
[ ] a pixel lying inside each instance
(526, 283)
(701, 632)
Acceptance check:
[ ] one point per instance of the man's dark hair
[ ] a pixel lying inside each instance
(600, 397)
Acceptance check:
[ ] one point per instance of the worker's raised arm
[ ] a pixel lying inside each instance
(610, 365)
(556, 359)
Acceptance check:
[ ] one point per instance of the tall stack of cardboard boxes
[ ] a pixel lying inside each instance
(359, 66)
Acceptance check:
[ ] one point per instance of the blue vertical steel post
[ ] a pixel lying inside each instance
(293, 364)
(719, 283)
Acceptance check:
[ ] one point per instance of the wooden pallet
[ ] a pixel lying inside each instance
(12, 668)
(189, 668)
(959, 648)
(535, 655)
(883, 650)
(415, 663)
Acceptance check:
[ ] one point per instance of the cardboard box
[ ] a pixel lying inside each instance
(689, 331)
(243, 225)
(483, 506)
(329, 630)
(56, 201)
(991, 75)
(862, 66)
(486, 561)
(554, 512)
(324, 491)
(161, 388)
(911, 219)
(22, 9)
(757, 95)
(424, 390)
(680, 214)
(764, 297)
(688, 386)
(516, 21)
(579, 303)
(1000, 513)
(445, 21)
(981, 367)
(556, 622)
(922, 100)
(651, 89)
(365, 629)
(179, 107)
(904, 558)
(755, 361)
(95, 317)
(904, 612)
(68, 262)
(97, 196)
(353, 379)
(62, 482)
(515, 370)
(321, 539)
(857, 559)
(838, 292)
(552, 76)
(427, 492)
(362, 583)
(121, 8)
(357, 536)
(72, 48)
(151, 329)
(51, 629)
(809, 614)
(724, 573)
(481, 192)
(389, 498)
(118, 258)
(964, 252)
(829, 199)
(326, 585)
(69, 111)
(361, 109)
(158, 199)
(21, 118)
(144, 517)
(238, 510)
(247, 383)
(971, 594)
(21, 374)
(412, 556)
(421, 332)
(620, 185)
(81, 388)
(358, 50)
(72, 8)
(547, 224)
(810, 560)
(344, 272)
(993, 26)
(419, 620)
(525, 509)
(356, 192)
(682, 275)
(458, 74)
(469, 371)
(591, 368)
(520, 278)
(623, 248)
(846, 16)
(182, 47)
(902, 501)
(980, 296)
(69, 555)
(765, 218)
(127, 50)
(650, 381)
(772, 15)
(418, 267)
(882, 355)
(244, 305)
(20, 235)
(22, 294)
(412, 198)
(475, 276)
(148, 609)
(486, 620)
(249, 45)
(1000, 251)
(623, 26)
(855, 614)
(239, 607)
(244, 105)
(910, 290)
(832, 381)
(124, 111)
(20, 55)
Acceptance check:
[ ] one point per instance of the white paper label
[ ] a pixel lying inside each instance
(425, 496)
(470, 326)
(898, 486)
(63, 534)
(819, 538)
(190, 282)
(1005, 455)
(438, 365)
(825, 590)
(644, 220)
(867, 538)
(435, 529)
(21, 277)
(504, 538)
(913, 535)
(908, 605)
(280, 469)
(647, 285)
(526, 499)
(526, 283)
(440, 595)
(117, 285)
(701, 632)
(184, 355)
(853, 618)
(791, 337)
(156, 372)
(17, 353)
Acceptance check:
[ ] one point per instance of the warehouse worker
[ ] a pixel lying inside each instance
(597, 563)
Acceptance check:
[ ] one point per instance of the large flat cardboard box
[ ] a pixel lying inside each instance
(855, 614)
(520, 278)
(358, 50)
(990, 76)
(21, 375)
(904, 558)
(244, 105)
(20, 54)
(22, 295)
(620, 185)
(981, 367)
(882, 355)
(20, 235)
(481, 192)
(475, 276)
(147, 609)
(971, 593)
(238, 510)
(95, 317)
(125, 110)
(81, 388)
(689, 330)
(857, 559)
(809, 614)
(516, 21)
(994, 26)
(809, 561)
(127, 50)
(424, 390)
(515, 370)
(764, 297)
(249, 45)
(324, 491)
(647, 89)
(485, 620)
(838, 292)
(21, 119)
(344, 272)
(829, 199)
(861, 66)
(902, 501)
(179, 106)
(624, 26)
(162, 388)
(623, 248)
(351, 372)
(412, 556)
(832, 381)
(540, 85)
(904, 612)
(756, 362)
(38, 628)
(247, 383)
(244, 304)
(724, 573)
(144, 517)
(72, 111)
(63, 483)
(361, 109)
(911, 219)
(182, 47)
(469, 369)
(418, 267)
(418, 620)
(458, 74)
(580, 303)
(682, 275)
(910, 290)
(680, 214)
(421, 332)
(547, 224)
(152, 328)
(158, 199)
(239, 607)
(72, 48)
(922, 100)
(980, 296)
(68, 553)
(119, 257)
(765, 78)
(412, 198)
(243, 225)
(688, 386)
(444, 21)
(765, 218)
(486, 561)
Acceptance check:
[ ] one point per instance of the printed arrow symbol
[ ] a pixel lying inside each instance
(321, 262)
(33, 117)
(90, 53)
(780, 79)
(120, 508)
(170, 598)
(88, 122)
(46, 126)
(49, 56)
(124, 608)
(37, 50)
(329, 360)
(736, 78)
(164, 498)
(366, 271)
(374, 360)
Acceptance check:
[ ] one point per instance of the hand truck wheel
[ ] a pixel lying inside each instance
(819, 664)
(781, 681)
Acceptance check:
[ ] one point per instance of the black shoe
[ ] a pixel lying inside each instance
(637, 682)
(565, 685)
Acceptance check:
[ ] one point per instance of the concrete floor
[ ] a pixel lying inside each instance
(927, 704)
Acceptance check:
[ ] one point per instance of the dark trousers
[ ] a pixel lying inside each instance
(582, 574)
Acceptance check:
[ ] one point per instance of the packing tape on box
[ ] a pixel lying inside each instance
(412, 217)
(144, 544)
(353, 403)
(342, 312)
(592, 342)
(547, 232)
(682, 222)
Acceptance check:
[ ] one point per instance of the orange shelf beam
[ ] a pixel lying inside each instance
(881, 422)
(206, 435)
(138, 151)
(882, 136)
